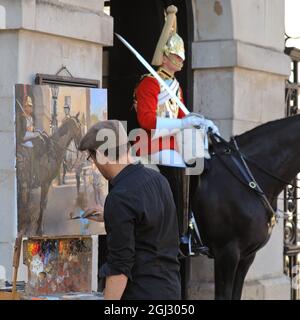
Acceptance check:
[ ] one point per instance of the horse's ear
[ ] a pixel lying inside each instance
(77, 115)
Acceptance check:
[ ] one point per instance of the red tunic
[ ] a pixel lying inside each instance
(147, 101)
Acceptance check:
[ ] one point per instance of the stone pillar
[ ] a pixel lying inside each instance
(39, 36)
(240, 71)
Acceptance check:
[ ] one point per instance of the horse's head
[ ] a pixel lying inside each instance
(77, 129)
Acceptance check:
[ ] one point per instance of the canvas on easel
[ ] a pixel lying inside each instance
(55, 182)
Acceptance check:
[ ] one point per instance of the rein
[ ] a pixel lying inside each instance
(258, 166)
(243, 168)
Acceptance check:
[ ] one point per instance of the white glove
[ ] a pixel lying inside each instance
(210, 125)
(166, 126)
(199, 121)
(191, 122)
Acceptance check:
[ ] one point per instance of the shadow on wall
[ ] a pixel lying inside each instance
(2, 17)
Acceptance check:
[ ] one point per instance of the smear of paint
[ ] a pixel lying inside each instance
(84, 224)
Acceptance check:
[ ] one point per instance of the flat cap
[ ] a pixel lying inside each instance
(110, 132)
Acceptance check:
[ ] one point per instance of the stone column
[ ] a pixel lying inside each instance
(240, 71)
(39, 36)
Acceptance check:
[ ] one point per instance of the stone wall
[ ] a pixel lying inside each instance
(40, 36)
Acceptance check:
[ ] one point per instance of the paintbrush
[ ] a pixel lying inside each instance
(95, 214)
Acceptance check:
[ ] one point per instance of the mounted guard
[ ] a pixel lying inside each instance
(175, 137)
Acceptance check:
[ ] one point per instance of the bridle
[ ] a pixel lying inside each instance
(231, 149)
(78, 125)
(246, 177)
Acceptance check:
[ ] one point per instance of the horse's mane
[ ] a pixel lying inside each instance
(267, 129)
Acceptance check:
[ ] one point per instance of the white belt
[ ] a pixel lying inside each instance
(164, 157)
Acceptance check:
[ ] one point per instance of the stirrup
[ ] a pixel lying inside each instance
(188, 247)
(203, 251)
(191, 243)
(185, 246)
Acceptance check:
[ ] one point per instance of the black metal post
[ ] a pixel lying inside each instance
(291, 227)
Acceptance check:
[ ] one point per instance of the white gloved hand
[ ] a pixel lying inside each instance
(197, 121)
(210, 125)
(166, 126)
(192, 122)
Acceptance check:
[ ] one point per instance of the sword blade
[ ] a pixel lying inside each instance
(154, 73)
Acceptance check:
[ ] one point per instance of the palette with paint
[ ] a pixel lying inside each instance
(58, 265)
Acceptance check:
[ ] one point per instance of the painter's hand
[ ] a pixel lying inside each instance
(94, 213)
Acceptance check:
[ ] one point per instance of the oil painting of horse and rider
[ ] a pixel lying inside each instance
(59, 190)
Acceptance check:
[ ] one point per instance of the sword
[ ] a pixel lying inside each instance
(155, 74)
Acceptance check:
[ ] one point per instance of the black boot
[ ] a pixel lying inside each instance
(190, 241)
(179, 184)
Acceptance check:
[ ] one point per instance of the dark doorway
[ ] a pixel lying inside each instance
(140, 22)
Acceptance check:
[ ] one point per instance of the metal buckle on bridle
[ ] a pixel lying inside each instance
(272, 222)
(252, 185)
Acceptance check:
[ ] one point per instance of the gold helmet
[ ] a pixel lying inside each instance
(28, 101)
(169, 42)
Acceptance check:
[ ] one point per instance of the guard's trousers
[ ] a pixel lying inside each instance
(180, 186)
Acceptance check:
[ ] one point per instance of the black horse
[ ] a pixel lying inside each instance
(232, 218)
(45, 163)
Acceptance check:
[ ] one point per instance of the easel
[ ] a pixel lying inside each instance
(14, 295)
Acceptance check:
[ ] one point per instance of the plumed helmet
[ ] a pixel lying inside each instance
(169, 42)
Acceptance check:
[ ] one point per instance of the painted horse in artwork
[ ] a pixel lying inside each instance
(41, 165)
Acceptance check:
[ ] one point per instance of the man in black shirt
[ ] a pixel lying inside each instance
(140, 221)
